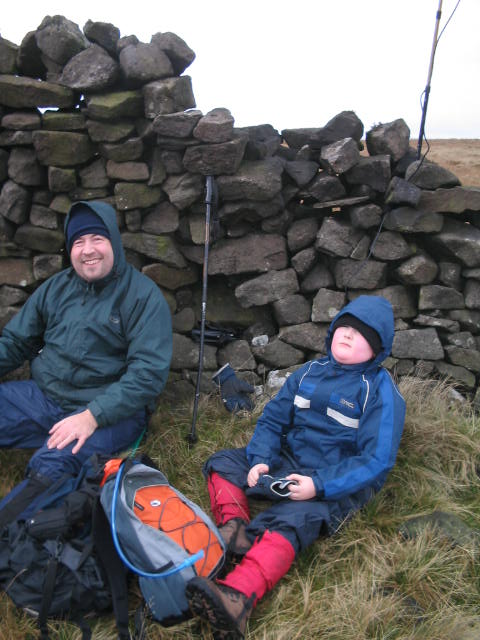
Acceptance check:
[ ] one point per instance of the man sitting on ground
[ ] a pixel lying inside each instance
(99, 340)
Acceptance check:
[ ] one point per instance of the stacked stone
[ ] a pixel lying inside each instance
(77, 110)
(348, 224)
(306, 220)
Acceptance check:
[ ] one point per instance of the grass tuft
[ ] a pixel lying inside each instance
(366, 583)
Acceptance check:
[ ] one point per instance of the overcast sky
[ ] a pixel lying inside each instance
(297, 63)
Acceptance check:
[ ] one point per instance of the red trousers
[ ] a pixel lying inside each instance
(270, 556)
(226, 500)
(268, 560)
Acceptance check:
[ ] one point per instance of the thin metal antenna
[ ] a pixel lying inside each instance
(429, 78)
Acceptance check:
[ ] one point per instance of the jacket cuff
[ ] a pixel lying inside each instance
(253, 460)
(320, 492)
(96, 412)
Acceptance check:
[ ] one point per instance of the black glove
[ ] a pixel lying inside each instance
(233, 390)
(271, 487)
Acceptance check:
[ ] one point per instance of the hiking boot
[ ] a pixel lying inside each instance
(226, 609)
(235, 537)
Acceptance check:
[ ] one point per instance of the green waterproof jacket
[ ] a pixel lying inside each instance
(104, 345)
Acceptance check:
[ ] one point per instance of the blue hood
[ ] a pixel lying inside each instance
(375, 311)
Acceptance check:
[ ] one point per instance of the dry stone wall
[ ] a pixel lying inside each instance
(307, 218)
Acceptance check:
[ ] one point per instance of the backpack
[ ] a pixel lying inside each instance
(161, 536)
(49, 565)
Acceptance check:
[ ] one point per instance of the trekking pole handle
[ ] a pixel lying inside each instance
(209, 198)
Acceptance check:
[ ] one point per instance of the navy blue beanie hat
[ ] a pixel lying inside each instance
(82, 221)
(370, 335)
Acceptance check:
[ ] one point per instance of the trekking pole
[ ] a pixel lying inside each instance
(210, 200)
(429, 78)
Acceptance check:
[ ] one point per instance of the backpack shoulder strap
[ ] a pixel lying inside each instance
(48, 588)
(47, 597)
(114, 568)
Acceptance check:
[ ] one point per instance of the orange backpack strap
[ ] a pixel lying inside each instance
(111, 468)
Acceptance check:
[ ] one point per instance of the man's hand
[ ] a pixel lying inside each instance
(304, 489)
(78, 427)
(255, 472)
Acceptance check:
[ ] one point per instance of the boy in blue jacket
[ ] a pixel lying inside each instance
(322, 448)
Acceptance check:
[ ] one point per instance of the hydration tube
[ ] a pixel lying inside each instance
(144, 574)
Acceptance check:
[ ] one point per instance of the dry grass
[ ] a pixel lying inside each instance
(367, 582)
(460, 156)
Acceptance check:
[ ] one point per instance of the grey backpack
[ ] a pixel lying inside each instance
(160, 535)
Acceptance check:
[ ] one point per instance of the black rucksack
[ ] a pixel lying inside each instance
(49, 565)
(74, 554)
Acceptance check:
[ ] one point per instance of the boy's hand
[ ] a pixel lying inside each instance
(255, 472)
(304, 489)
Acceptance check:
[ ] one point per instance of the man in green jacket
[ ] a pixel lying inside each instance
(99, 340)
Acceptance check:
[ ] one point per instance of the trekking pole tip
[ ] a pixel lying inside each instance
(192, 439)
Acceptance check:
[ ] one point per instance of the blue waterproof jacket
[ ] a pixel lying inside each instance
(342, 423)
(104, 345)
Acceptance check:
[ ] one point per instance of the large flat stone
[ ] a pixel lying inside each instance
(62, 148)
(252, 253)
(455, 200)
(20, 92)
(267, 288)
(159, 248)
(421, 344)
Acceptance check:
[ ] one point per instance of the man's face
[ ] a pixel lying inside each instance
(350, 347)
(92, 256)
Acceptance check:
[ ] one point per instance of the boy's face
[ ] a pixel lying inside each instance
(350, 347)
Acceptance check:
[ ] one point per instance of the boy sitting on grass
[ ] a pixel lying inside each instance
(322, 447)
